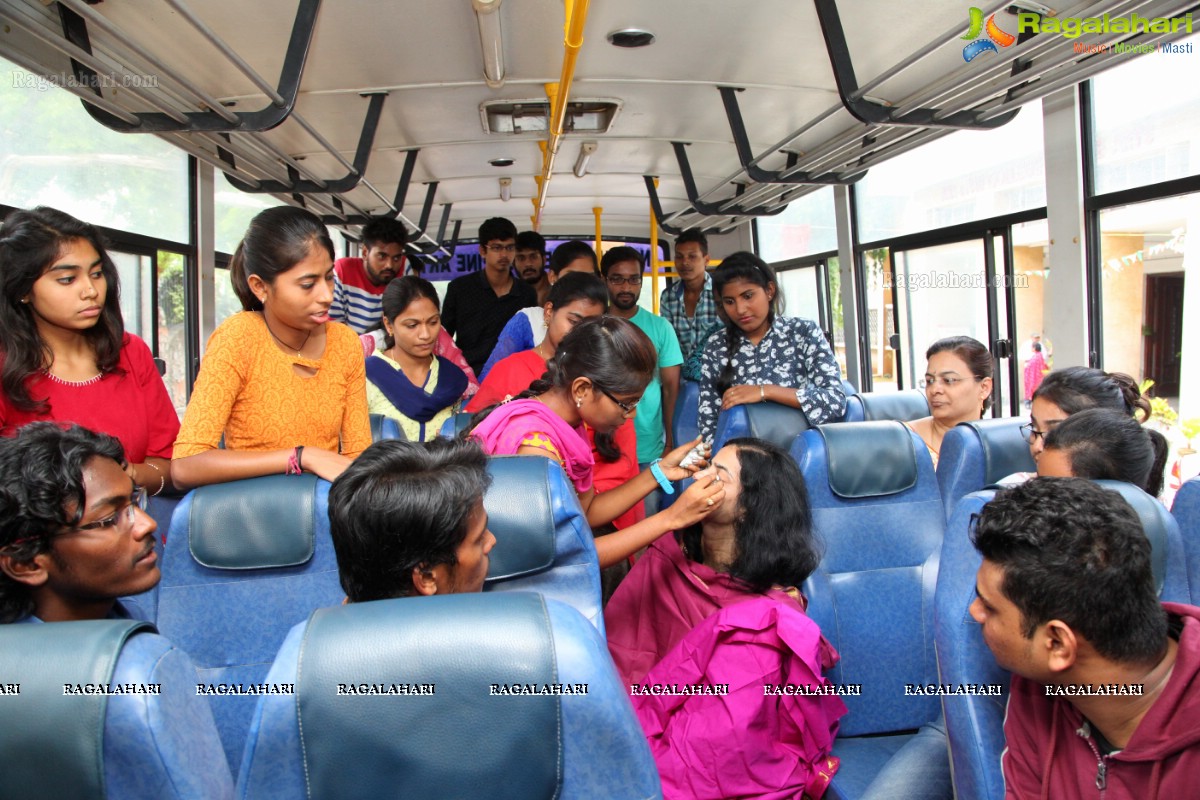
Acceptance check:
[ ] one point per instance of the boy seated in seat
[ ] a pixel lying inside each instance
(74, 533)
(407, 519)
(1104, 690)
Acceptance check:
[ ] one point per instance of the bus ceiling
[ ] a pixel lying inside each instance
(707, 115)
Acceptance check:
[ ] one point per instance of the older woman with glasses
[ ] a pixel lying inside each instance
(958, 386)
(596, 379)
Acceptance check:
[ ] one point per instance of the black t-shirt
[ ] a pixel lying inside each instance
(475, 316)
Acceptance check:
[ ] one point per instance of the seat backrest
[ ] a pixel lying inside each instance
(978, 454)
(244, 562)
(455, 424)
(975, 723)
(685, 425)
(878, 514)
(156, 741)
(778, 424)
(505, 696)
(145, 605)
(1186, 511)
(543, 541)
(902, 406)
(385, 428)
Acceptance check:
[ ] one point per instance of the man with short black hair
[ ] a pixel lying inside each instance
(477, 306)
(359, 282)
(407, 519)
(531, 263)
(622, 270)
(688, 304)
(74, 533)
(1067, 602)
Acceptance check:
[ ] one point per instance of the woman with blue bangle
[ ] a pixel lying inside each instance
(595, 379)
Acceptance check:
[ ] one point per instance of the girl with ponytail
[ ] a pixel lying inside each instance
(283, 385)
(764, 356)
(1105, 444)
(596, 378)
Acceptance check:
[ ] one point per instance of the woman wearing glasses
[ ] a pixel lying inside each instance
(1068, 391)
(596, 378)
(958, 386)
(765, 356)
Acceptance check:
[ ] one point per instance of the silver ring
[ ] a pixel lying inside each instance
(709, 501)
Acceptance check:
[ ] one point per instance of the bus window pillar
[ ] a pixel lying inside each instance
(1066, 320)
(843, 215)
(205, 242)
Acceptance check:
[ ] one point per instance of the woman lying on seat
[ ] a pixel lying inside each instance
(1105, 444)
(596, 378)
(718, 603)
(958, 386)
(408, 381)
(284, 385)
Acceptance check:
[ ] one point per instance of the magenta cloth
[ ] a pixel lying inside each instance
(503, 430)
(1033, 374)
(745, 743)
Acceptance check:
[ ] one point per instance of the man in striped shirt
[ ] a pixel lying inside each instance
(358, 290)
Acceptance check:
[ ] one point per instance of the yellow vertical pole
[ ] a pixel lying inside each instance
(596, 212)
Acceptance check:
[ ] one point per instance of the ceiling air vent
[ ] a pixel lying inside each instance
(533, 116)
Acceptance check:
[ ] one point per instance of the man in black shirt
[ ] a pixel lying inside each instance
(478, 306)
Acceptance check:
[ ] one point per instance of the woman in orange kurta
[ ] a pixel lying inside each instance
(284, 385)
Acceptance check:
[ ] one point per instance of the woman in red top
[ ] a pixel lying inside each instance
(66, 355)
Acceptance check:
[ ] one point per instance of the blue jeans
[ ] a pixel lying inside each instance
(918, 771)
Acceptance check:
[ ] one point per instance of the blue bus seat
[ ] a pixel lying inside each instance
(878, 514)
(145, 605)
(975, 723)
(1186, 510)
(878, 406)
(776, 423)
(125, 746)
(385, 428)
(456, 424)
(543, 541)
(978, 454)
(685, 425)
(461, 740)
(244, 562)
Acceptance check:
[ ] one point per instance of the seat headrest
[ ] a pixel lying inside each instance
(869, 459)
(776, 423)
(521, 516)
(402, 691)
(49, 739)
(1154, 522)
(900, 406)
(1004, 451)
(385, 428)
(256, 523)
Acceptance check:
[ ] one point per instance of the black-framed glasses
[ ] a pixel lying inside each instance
(1030, 433)
(628, 408)
(123, 519)
(502, 248)
(632, 280)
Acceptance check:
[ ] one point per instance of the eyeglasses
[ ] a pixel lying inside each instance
(628, 408)
(123, 519)
(944, 380)
(632, 280)
(1030, 433)
(502, 248)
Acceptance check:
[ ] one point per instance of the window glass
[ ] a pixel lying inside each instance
(55, 154)
(172, 336)
(800, 289)
(136, 273)
(226, 300)
(234, 209)
(806, 227)
(1146, 113)
(962, 177)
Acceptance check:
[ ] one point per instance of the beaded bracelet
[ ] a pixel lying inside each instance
(162, 479)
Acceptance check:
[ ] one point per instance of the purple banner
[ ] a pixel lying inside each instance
(466, 259)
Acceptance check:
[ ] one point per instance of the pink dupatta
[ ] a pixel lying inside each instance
(502, 432)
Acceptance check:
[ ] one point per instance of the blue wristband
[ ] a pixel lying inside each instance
(657, 472)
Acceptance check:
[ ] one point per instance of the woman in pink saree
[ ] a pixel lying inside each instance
(716, 605)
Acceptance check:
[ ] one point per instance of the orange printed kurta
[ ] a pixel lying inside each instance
(248, 391)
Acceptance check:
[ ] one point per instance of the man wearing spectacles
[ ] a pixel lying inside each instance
(622, 271)
(477, 306)
(75, 535)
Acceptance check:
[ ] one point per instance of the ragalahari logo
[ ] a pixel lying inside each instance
(995, 36)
